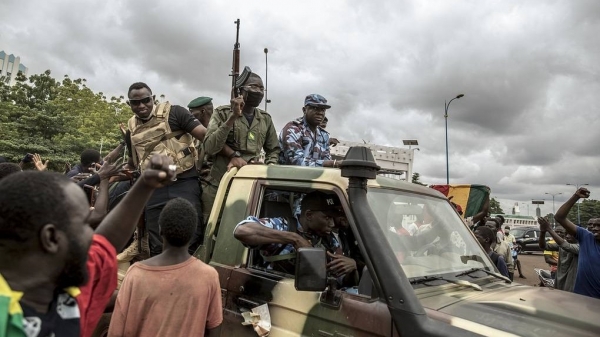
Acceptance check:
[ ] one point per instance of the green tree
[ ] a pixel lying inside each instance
(495, 207)
(57, 119)
(416, 179)
(588, 209)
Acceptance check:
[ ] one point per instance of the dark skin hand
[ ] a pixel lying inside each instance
(107, 171)
(340, 264)
(563, 211)
(120, 223)
(546, 227)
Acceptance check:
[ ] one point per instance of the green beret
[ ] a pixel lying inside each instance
(198, 102)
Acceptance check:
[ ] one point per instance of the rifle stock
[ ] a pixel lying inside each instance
(235, 67)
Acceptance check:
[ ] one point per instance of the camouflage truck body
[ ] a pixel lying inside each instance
(430, 279)
(498, 309)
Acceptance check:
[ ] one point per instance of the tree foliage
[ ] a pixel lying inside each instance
(416, 179)
(495, 207)
(57, 119)
(588, 209)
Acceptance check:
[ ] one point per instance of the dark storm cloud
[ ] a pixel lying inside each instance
(529, 71)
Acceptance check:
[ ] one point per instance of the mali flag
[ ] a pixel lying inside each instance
(470, 198)
(11, 315)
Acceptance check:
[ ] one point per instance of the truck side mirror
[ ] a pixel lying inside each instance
(311, 269)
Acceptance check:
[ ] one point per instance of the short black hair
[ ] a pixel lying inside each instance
(8, 168)
(496, 222)
(178, 221)
(3, 160)
(138, 86)
(90, 156)
(29, 200)
(501, 218)
(487, 233)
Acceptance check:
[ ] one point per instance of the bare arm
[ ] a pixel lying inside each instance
(119, 224)
(563, 211)
(199, 132)
(255, 234)
(549, 260)
(115, 153)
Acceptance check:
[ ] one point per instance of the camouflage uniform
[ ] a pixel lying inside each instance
(330, 243)
(301, 146)
(249, 140)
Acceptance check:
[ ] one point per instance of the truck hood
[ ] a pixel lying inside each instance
(526, 311)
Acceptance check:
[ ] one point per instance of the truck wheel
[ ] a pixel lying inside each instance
(102, 327)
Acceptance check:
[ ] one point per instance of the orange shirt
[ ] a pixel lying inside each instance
(178, 300)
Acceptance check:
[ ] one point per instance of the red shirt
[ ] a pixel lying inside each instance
(96, 293)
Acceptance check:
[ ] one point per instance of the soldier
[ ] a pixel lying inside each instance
(278, 238)
(202, 109)
(170, 130)
(238, 132)
(303, 141)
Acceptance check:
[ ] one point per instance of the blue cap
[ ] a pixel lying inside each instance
(316, 100)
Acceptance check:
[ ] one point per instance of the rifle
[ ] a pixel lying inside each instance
(235, 67)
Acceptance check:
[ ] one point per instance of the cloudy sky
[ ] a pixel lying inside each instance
(529, 72)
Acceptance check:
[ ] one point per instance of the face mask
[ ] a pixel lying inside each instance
(253, 99)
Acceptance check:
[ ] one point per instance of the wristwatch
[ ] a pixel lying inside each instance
(235, 154)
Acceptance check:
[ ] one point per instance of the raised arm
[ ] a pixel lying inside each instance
(563, 211)
(118, 225)
(545, 227)
(220, 126)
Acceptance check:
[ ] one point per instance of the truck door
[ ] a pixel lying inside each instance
(292, 312)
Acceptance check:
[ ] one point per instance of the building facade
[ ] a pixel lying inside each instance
(10, 66)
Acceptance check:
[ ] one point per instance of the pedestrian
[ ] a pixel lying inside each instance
(87, 165)
(486, 237)
(170, 130)
(56, 274)
(588, 268)
(173, 293)
(568, 254)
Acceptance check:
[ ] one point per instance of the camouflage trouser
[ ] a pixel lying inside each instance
(209, 193)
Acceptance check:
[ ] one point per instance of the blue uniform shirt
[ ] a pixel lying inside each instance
(588, 269)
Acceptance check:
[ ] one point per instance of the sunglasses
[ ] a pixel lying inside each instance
(135, 102)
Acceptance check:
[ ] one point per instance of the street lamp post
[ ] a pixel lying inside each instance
(446, 105)
(553, 211)
(267, 100)
(577, 186)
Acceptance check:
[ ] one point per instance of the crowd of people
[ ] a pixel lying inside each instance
(59, 240)
(60, 234)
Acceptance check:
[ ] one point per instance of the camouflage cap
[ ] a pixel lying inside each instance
(319, 201)
(198, 102)
(317, 101)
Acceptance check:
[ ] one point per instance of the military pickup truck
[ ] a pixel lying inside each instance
(425, 274)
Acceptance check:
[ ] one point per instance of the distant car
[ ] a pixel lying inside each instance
(527, 238)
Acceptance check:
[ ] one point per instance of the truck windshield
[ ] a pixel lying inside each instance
(425, 233)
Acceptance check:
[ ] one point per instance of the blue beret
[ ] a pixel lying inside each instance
(200, 101)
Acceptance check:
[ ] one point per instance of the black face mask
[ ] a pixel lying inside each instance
(253, 99)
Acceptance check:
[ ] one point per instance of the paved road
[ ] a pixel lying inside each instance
(528, 263)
